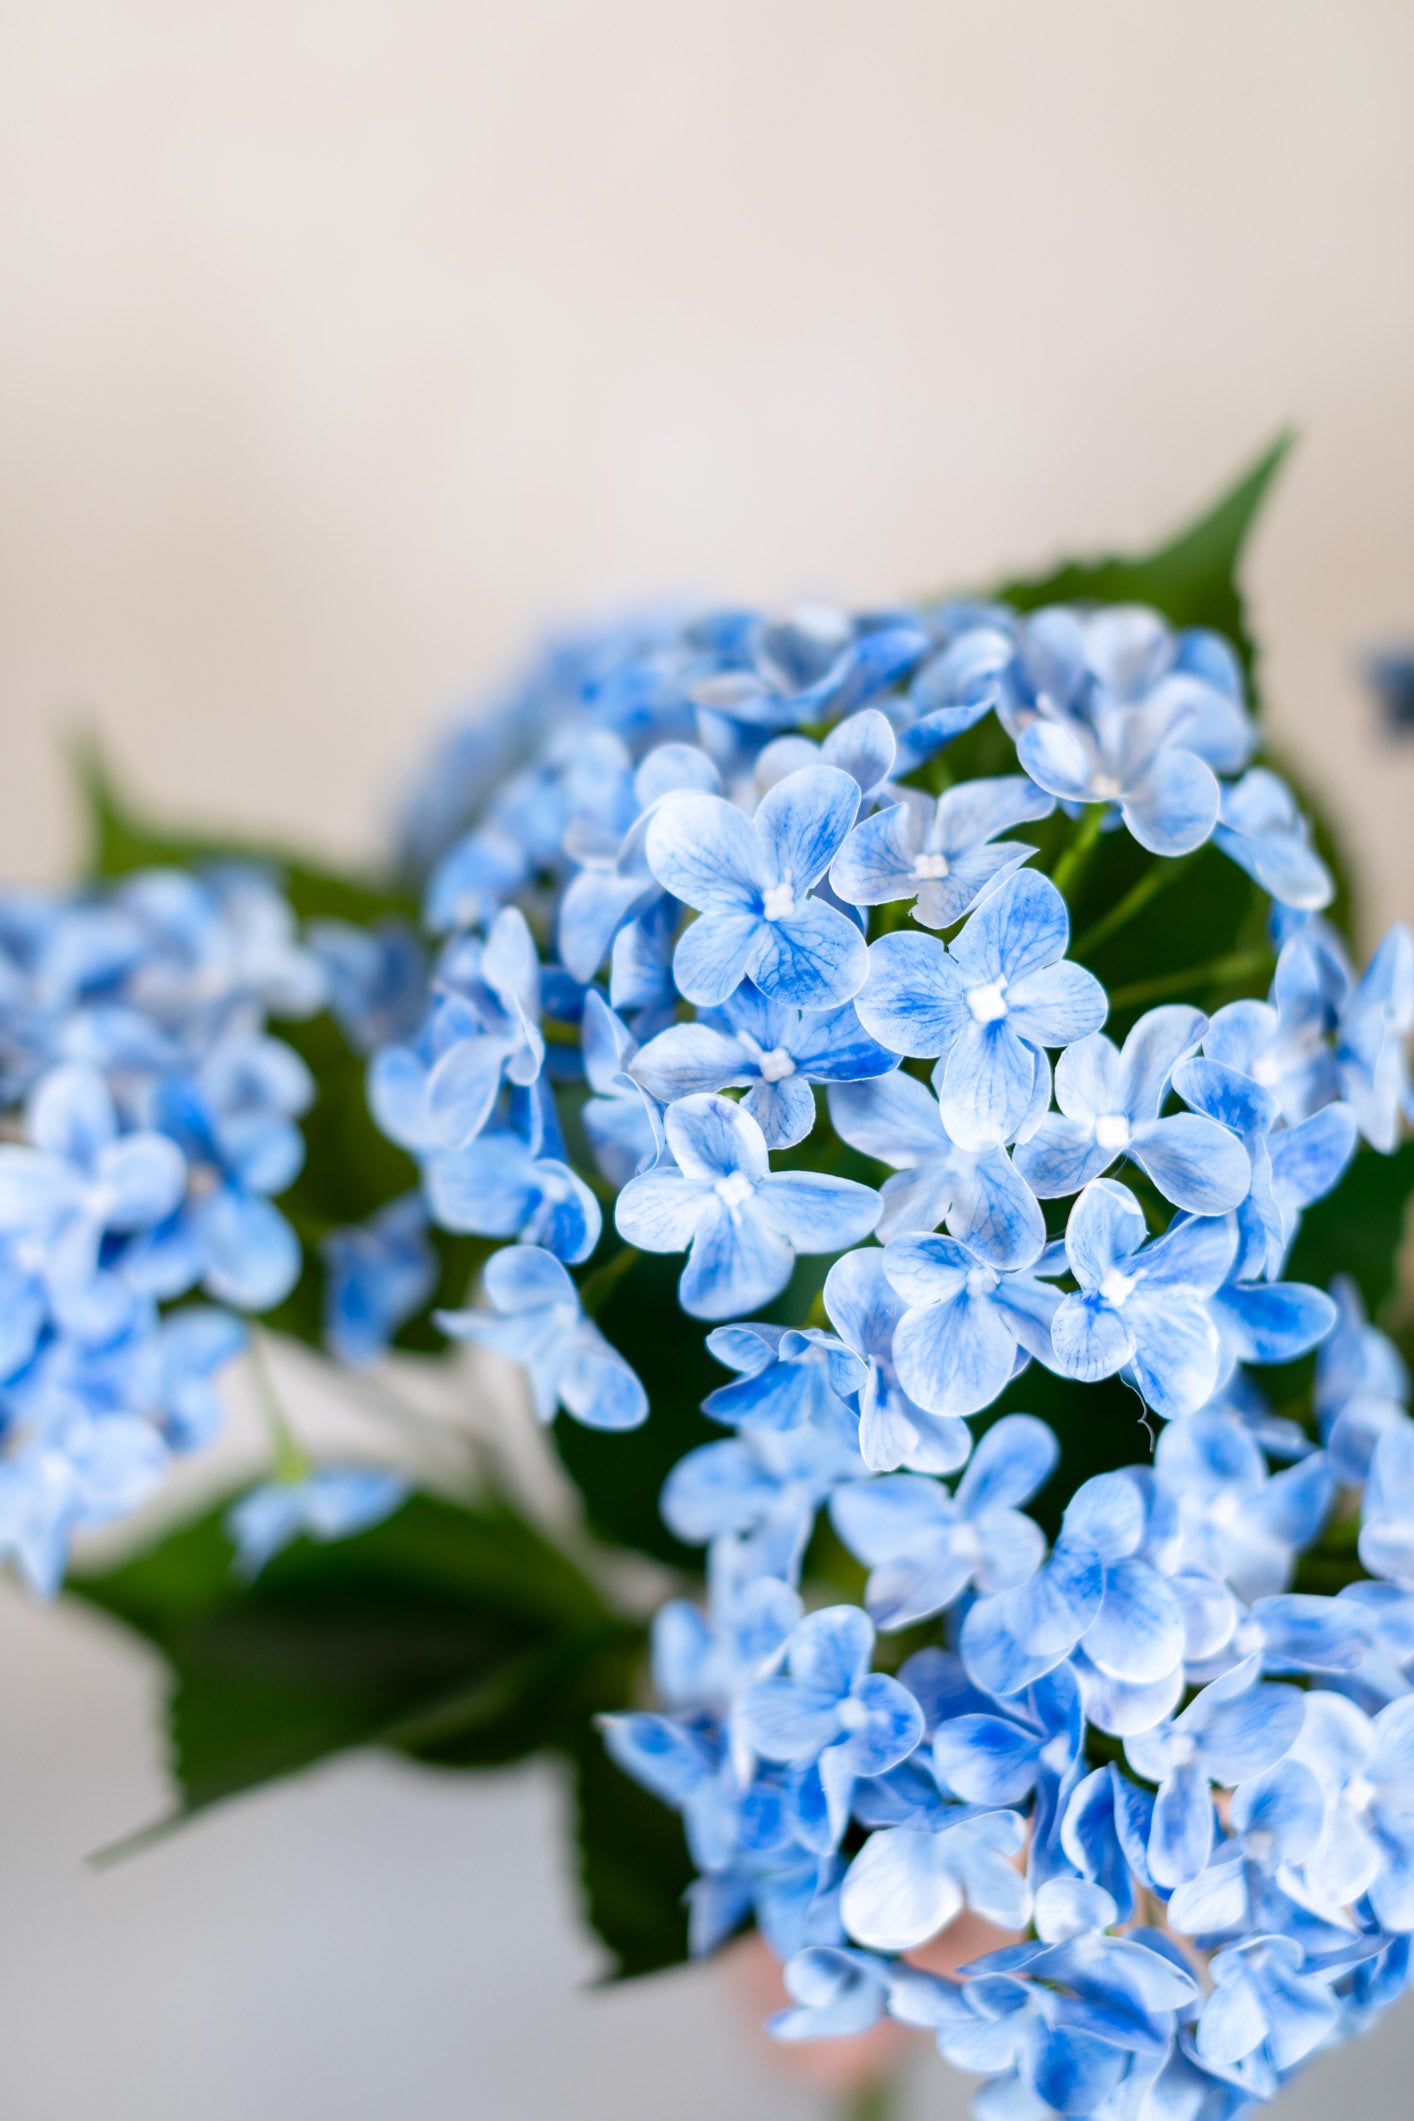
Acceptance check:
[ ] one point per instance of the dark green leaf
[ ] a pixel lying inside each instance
(454, 1635)
(621, 1474)
(1192, 578)
(634, 1865)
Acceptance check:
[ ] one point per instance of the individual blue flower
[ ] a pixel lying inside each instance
(788, 1377)
(1079, 2021)
(1233, 1730)
(909, 1882)
(761, 1489)
(536, 1320)
(751, 879)
(1235, 1522)
(863, 746)
(828, 1712)
(967, 1328)
(1372, 1039)
(703, 1661)
(943, 854)
(1095, 1590)
(614, 884)
(79, 1178)
(1263, 831)
(987, 1005)
(1109, 1107)
(924, 1547)
(741, 1222)
(641, 970)
(1142, 1307)
(1282, 1043)
(473, 879)
(979, 1194)
(1133, 756)
(772, 1051)
(621, 1118)
(332, 1503)
(864, 1308)
(377, 1275)
(1029, 1747)
(1364, 1769)
(487, 1031)
(1263, 2015)
(514, 1181)
(377, 979)
(234, 1124)
(955, 687)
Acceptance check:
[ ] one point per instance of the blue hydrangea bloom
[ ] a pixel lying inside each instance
(967, 1328)
(751, 880)
(376, 1277)
(537, 1321)
(742, 1222)
(942, 854)
(865, 1308)
(774, 1052)
(987, 1005)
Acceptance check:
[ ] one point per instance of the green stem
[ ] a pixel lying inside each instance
(1151, 883)
(290, 1462)
(874, 2100)
(1076, 852)
(596, 1289)
(1224, 971)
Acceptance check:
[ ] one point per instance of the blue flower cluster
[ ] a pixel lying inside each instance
(148, 1118)
(729, 923)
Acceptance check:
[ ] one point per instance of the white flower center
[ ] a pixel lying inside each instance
(1266, 1070)
(981, 1281)
(986, 1003)
(1055, 1754)
(734, 1188)
(1112, 1130)
(928, 866)
(1181, 1749)
(776, 1065)
(779, 900)
(852, 1714)
(1116, 1286)
(1106, 787)
(1359, 1793)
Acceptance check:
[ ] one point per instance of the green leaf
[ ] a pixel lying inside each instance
(457, 1636)
(634, 1865)
(1192, 578)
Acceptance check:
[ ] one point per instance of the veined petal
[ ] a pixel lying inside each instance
(813, 958)
(802, 822)
(912, 1000)
(986, 1084)
(737, 1262)
(1197, 1164)
(705, 851)
(1174, 808)
(715, 954)
(817, 1213)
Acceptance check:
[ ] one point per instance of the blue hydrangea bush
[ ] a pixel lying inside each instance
(901, 1087)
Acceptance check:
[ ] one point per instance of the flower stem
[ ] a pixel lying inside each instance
(1076, 853)
(874, 2100)
(1243, 964)
(596, 1289)
(1155, 879)
(290, 1462)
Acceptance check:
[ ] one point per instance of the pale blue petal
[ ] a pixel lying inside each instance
(659, 1211)
(986, 1085)
(1016, 932)
(1011, 1463)
(1174, 808)
(1104, 1229)
(687, 1059)
(704, 851)
(816, 1213)
(813, 958)
(801, 824)
(956, 1357)
(1062, 1155)
(912, 1000)
(737, 1263)
(1193, 1161)
(715, 954)
(713, 1139)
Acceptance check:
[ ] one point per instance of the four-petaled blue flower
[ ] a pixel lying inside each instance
(742, 1222)
(943, 855)
(987, 1006)
(536, 1319)
(751, 880)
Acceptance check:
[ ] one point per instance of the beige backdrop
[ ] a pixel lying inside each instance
(345, 343)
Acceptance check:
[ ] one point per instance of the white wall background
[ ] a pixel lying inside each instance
(346, 342)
